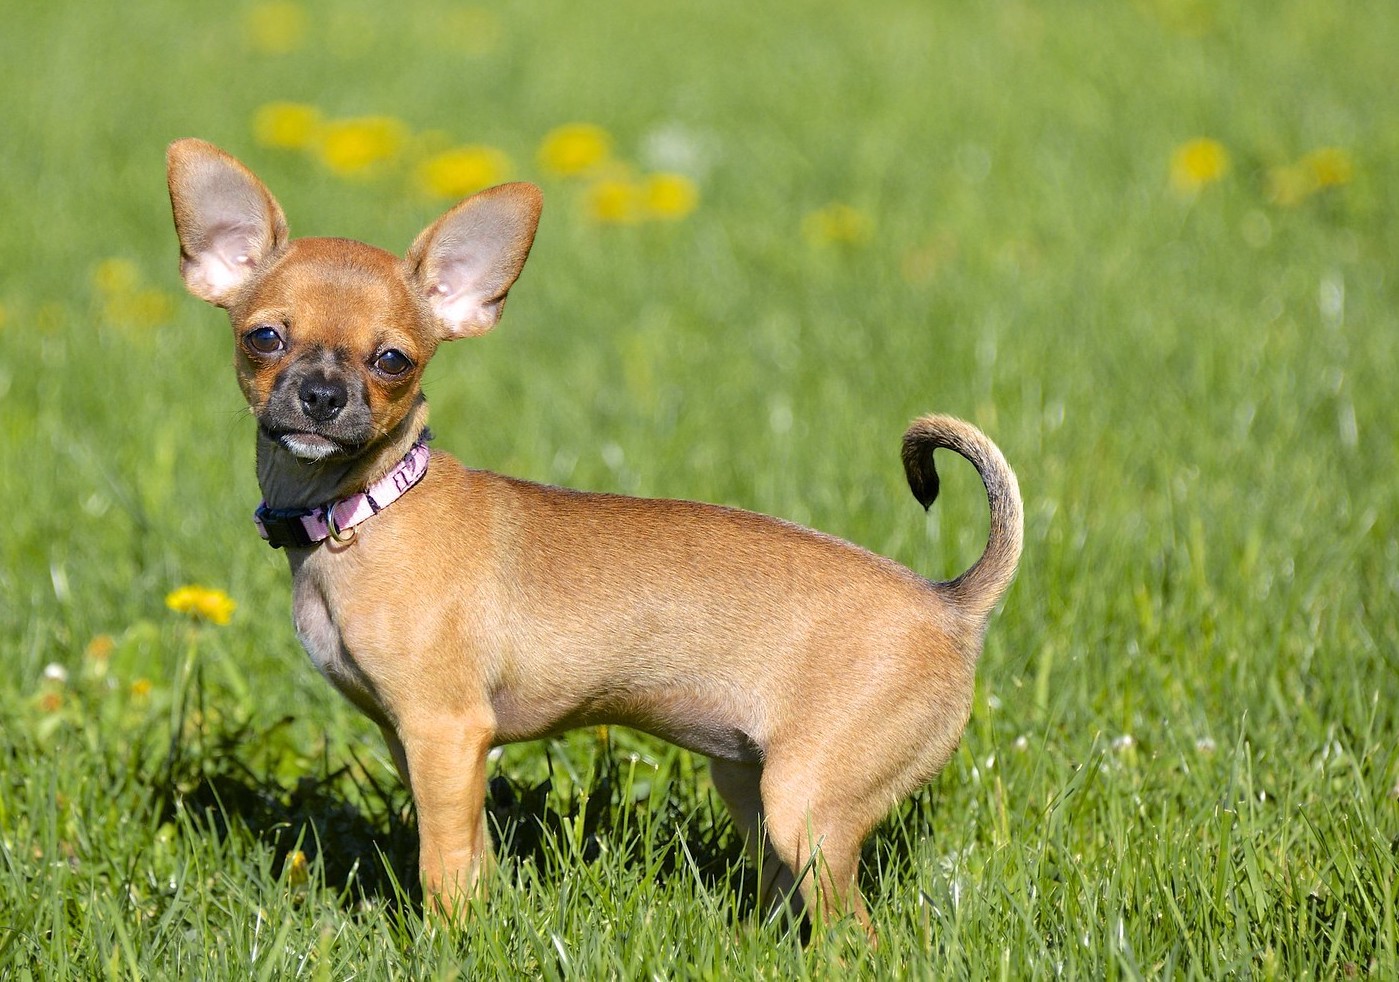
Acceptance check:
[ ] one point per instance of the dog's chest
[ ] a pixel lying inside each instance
(315, 627)
(320, 635)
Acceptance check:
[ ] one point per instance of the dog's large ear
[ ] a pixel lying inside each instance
(466, 261)
(228, 222)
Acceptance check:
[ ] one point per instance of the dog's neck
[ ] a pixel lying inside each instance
(287, 481)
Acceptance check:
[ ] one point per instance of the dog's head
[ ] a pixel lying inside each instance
(331, 335)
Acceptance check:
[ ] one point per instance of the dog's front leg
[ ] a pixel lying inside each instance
(445, 758)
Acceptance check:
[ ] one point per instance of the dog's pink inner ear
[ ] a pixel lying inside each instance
(464, 294)
(227, 221)
(467, 261)
(229, 255)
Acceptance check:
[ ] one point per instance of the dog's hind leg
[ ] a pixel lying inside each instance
(740, 785)
(818, 834)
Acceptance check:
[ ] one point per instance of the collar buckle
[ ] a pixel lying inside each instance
(284, 527)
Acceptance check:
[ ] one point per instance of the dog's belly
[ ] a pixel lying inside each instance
(712, 724)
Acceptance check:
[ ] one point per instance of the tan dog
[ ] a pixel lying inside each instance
(824, 683)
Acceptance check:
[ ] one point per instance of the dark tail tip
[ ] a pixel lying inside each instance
(919, 468)
(980, 588)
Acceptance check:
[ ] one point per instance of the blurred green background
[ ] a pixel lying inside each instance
(1149, 247)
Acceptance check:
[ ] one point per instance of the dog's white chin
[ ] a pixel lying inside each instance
(309, 446)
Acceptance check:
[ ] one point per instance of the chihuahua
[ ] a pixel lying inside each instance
(461, 610)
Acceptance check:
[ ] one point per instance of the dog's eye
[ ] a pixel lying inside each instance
(264, 340)
(392, 362)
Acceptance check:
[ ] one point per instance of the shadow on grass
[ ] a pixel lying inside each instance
(363, 832)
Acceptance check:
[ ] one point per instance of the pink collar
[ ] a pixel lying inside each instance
(307, 526)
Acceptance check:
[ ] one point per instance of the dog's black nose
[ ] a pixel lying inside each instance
(322, 397)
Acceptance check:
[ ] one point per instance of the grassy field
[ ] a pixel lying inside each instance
(1149, 247)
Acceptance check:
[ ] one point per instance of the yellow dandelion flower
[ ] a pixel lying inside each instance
(141, 688)
(670, 196)
(613, 201)
(575, 149)
(277, 27)
(297, 870)
(202, 603)
(116, 276)
(839, 224)
(1289, 185)
(142, 308)
(152, 307)
(124, 301)
(1197, 163)
(286, 125)
(51, 701)
(98, 653)
(1329, 167)
(100, 648)
(461, 171)
(352, 147)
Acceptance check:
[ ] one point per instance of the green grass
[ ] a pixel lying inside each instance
(1184, 755)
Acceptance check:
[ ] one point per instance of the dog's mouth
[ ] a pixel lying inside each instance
(308, 446)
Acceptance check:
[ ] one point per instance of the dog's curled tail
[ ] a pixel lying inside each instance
(980, 588)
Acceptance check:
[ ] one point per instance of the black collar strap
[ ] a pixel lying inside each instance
(305, 527)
